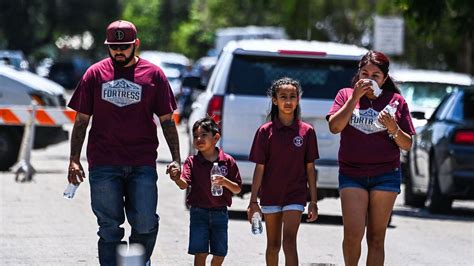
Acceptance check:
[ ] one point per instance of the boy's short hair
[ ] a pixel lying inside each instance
(208, 124)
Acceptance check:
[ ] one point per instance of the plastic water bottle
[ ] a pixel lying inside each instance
(70, 191)
(216, 190)
(391, 108)
(257, 227)
(131, 255)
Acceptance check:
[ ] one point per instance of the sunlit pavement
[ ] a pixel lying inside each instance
(39, 227)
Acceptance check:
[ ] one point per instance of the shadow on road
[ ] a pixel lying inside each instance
(322, 219)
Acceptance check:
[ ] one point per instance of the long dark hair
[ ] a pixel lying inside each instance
(382, 62)
(272, 93)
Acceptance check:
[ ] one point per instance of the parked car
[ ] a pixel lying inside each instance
(203, 68)
(14, 58)
(167, 59)
(236, 96)
(442, 158)
(20, 88)
(423, 91)
(191, 88)
(68, 72)
(173, 65)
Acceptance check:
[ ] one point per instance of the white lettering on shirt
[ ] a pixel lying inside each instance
(121, 92)
(363, 120)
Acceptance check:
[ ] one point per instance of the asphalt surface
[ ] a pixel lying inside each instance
(39, 227)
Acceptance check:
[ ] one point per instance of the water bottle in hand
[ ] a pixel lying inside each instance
(391, 109)
(257, 227)
(216, 190)
(70, 191)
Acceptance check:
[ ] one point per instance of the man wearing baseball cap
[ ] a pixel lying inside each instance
(122, 93)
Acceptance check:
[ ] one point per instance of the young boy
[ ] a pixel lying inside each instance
(208, 213)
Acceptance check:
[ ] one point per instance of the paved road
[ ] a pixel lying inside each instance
(39, 227)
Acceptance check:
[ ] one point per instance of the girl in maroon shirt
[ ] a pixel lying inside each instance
(369, 156)
(284, 151)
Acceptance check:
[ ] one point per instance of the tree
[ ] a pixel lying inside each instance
(144, 14)
(28, 25)
(443, 32)
(156, 20)
(195, 36)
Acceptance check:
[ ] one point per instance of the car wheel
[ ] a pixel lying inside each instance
(436, 201)
(9, 148)
(412, 199)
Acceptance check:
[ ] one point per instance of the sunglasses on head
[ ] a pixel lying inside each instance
(122, 47)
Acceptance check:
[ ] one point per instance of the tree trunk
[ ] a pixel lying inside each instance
(465, 56)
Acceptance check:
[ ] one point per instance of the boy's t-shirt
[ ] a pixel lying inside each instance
(122, 102)
(285, 151)
(197, 173)
(365, 150)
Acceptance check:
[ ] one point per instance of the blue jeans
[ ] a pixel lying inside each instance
(386, 182)
(133, 188)
(208, 231)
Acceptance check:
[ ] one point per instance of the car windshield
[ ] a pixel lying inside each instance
(469, 105)
(464, 108)
(425, 95)
(322, 79)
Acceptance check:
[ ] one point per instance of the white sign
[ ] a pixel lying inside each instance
(389, 35)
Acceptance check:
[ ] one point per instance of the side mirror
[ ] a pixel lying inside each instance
(418, 115)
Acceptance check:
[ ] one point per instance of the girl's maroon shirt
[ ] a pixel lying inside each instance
(285, 151)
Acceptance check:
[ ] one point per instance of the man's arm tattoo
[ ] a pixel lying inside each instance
(171, 136)
(77, 137)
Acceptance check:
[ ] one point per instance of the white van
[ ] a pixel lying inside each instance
(20, 88)
(236, 96)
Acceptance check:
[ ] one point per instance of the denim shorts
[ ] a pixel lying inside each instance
(386, 182)
(275, 209)
(208, 231)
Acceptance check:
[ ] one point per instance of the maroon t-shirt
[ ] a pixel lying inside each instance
(197, 173)
(122, 101)
(365, 150)
(285, 151)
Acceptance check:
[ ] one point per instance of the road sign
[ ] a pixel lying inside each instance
(389, 35)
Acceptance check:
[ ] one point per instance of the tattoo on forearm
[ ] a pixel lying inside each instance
(171, 136)
(77, 137)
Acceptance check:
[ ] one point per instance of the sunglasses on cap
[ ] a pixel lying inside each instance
(122, 47)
